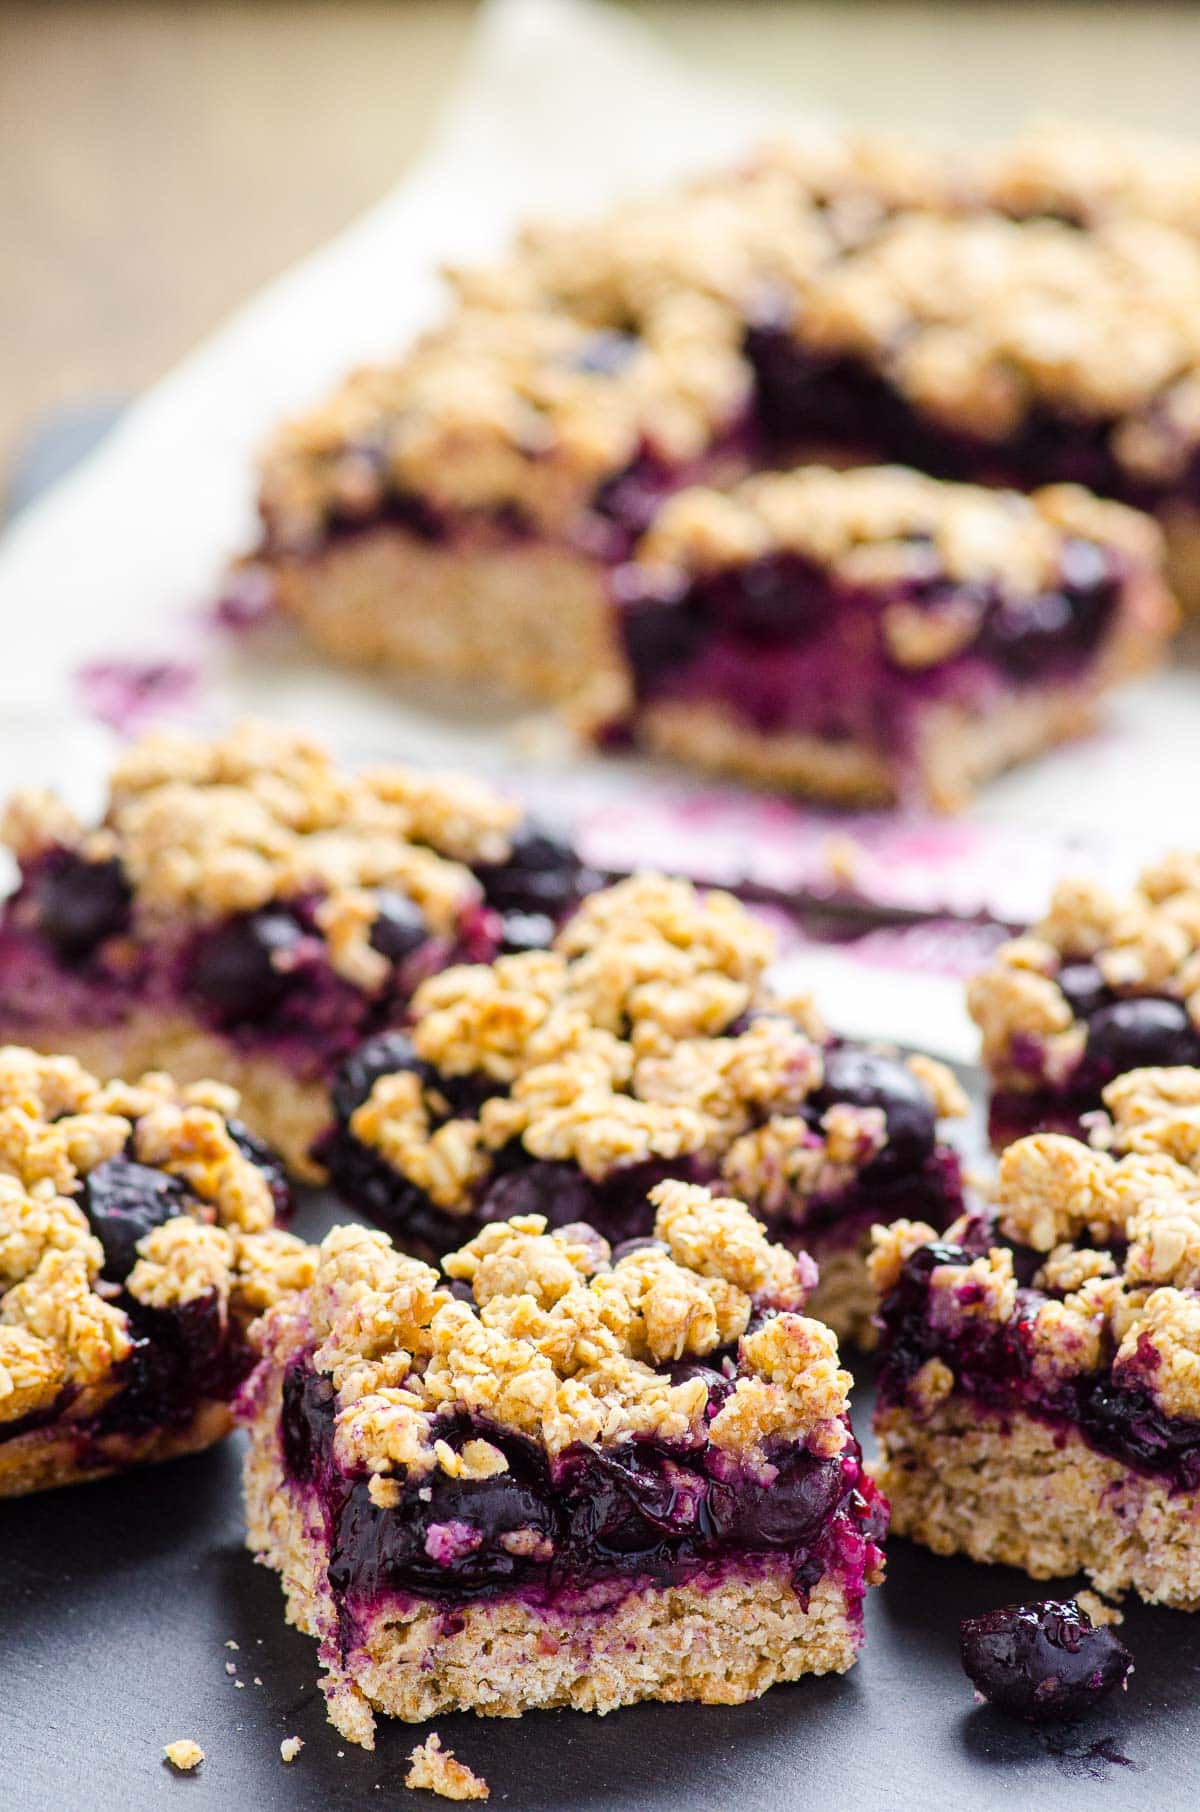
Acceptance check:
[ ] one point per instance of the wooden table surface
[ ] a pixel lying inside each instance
(159, 162)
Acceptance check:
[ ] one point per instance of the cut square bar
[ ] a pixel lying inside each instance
(552, 1475)
(1039, 1364)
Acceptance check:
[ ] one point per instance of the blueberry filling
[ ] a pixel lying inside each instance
(1134, 1034)
(80, 903)
(866, 1079)
(777, 638)
(1144, 1031)
(993, 1368)
(1043, 1660)
(805, 397)
(644, 1510)
(123, 1202)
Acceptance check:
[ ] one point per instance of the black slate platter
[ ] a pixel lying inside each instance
(119, 1602)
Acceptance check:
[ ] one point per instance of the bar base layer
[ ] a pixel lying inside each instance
(44, 1458)
(1022, 1493)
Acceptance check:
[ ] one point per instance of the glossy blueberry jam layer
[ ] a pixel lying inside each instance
(642, 1513)
(69, 955)
(804, 397)
(993, 1368)
(790, 650)
(913, 1177)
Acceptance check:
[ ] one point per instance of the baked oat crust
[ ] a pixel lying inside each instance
(1010, 1490)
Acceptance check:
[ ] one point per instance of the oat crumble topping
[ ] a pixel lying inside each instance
(615, 1048)
(57, 1123)
(1119, 1224)
(1147, 943)
(207, 828)
(876, 525)
(559, 1343)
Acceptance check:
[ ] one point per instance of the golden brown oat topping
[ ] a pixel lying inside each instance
(562, 1344)
(1145, 943)
(978, 320)
(435, 1769)
(615, 1049)
(1087, 173)
(1119, 1223)
(57, 1124)
(877, 525)
(206, 828)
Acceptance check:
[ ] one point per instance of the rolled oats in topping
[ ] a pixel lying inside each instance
(203, 829)
(881, 524)
(59, 1325)
(1118, 1223)
(561, 1343)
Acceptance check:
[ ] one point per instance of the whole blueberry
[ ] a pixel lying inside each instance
(661, 636)
(541, 873)
(1137, 1034)
(1084, 987)
(867, 1079)
(240, 969)
(520, 931)
(387, 1054)
(80, 903)
(1042, 1660)
(777, 598)
(399, 926)
(124, 1201)
(559, 1191)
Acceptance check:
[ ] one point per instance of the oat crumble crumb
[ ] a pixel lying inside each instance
(436, 1770)
(184, 1754)
(290, 1748)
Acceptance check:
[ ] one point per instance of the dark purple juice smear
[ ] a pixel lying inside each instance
(643, 1510)
(993, 1368)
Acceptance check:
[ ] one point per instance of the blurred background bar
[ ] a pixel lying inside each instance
(158, 162)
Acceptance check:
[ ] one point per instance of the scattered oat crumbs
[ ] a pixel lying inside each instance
(231, 1643)
(231, 1668)
(184, 1755)
(290, 1748)
(435, 1769)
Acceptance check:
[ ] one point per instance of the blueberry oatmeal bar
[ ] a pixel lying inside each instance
(874, 634)
(467, 510)
(554, 1474)
(137, 1244)
(643, 1045)
(1039, 1374)
(1103, 984)
(243, 909)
